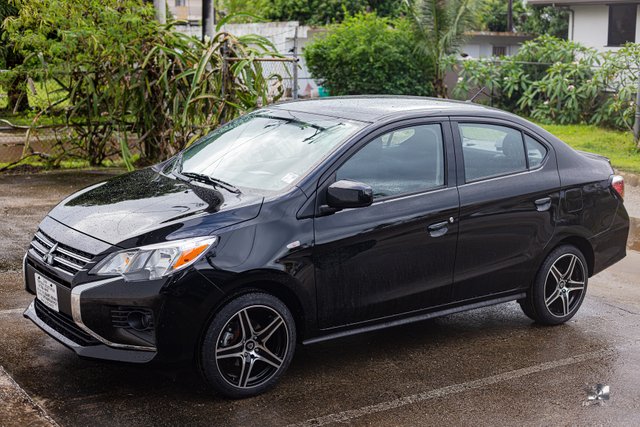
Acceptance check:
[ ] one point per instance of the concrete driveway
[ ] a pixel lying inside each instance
(487, 366)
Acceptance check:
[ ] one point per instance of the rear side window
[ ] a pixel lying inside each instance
(491, 150)
(536, 152)
(402, 161)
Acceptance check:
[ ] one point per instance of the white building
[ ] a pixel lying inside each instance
(603, 25)
(483, 44)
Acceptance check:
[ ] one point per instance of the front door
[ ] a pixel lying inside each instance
(397, 255)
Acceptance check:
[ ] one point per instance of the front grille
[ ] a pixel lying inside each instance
(64, 325)
(59, 255)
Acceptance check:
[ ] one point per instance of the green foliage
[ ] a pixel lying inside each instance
(547, 20)
(559, 81)
(6, 10)
(618, 76)
(322, 12)
(116, 76)
(13, 85)
(439, 27)
(493, 15)
(368, 54)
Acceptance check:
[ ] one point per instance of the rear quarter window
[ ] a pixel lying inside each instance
(536, 152)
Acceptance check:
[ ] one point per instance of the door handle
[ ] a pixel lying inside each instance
(438, 229)
(543, 204)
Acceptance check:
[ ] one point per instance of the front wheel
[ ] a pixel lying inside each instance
(559, 288)
(248, 345)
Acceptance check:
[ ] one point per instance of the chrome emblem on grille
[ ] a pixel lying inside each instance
(48, 257)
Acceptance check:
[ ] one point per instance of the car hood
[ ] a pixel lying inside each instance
(143, 206)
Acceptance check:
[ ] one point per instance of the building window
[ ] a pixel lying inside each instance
(181, 3)
(499, 51)
(622, 24)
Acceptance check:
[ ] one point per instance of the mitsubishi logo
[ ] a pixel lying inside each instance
(48, 257)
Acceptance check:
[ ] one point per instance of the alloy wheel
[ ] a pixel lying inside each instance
(252, 346)
(564, 285)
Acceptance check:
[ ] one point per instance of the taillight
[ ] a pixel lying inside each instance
(617, 183)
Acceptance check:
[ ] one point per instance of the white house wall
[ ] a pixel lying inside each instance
(589, 25)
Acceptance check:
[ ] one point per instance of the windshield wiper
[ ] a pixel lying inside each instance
(211, 181)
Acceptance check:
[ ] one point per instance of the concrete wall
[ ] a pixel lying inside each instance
(589, 25)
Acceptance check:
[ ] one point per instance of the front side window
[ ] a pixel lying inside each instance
(491, 150)
(406, 160)
(622, 24)
(267, 150)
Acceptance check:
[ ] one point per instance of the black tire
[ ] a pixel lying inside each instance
(556, 296)
(240, 359)
(527, 309)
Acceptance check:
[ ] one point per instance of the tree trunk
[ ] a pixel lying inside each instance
(17, 94)
(440, 87)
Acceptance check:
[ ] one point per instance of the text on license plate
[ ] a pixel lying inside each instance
(46, 292)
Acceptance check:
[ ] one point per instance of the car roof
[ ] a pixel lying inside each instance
(372, 108)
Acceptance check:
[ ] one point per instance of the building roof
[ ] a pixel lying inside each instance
(505, 34)
(375, 107)
(577, 2)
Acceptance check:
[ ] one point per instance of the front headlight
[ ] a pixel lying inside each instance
(154, 261)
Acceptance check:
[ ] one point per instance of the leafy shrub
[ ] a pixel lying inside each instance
(558, 81)
(368, 54)
(617, 77)
(119, 76)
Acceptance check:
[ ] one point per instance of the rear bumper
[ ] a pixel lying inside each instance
(610, 246)
(55, 328)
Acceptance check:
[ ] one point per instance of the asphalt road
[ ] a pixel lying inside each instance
(487, 366)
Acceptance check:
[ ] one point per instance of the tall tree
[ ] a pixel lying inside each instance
(440, 26)
(322, 12)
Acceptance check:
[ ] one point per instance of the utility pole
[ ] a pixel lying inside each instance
(161, 11)
(510, 16)
(294, 89)
(208, 18)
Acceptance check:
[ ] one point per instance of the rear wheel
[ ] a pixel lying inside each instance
(248, 345)
(559, 288)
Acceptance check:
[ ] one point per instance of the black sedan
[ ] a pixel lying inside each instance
(312, 220)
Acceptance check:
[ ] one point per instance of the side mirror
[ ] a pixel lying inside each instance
(346, 194)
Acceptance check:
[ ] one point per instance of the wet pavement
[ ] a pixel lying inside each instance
(487, 366)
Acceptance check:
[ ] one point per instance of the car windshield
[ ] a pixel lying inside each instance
(266, 150)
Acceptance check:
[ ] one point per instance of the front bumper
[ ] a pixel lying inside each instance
(56, 327)
(109, 318)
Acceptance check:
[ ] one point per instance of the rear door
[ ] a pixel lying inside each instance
(397, 255)
(509, 195)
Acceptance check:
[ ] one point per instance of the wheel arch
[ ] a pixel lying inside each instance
(583, 245)
(277, 284)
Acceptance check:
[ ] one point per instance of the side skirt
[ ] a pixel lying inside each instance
(413, 319)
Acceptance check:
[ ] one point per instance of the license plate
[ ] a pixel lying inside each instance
(47, 292)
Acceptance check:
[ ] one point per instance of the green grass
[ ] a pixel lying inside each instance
(618, 146)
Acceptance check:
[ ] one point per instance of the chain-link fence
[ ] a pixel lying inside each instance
(281, 73)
